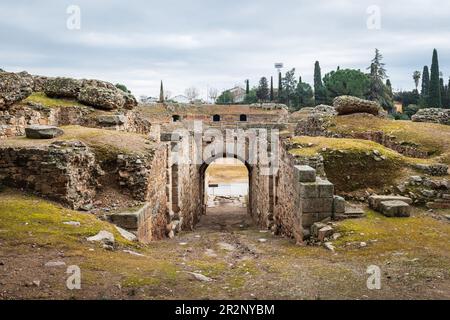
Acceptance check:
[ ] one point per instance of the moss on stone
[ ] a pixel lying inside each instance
(42, 98)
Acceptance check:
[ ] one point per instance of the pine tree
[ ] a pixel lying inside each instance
(262, 93)
(161, 93)
(425, 83)
(319, 90)
(434, 98)
(271, 89)
(378, 90)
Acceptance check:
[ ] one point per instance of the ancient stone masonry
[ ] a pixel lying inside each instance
(434, 193)
(63, 171)
(433, 115)
(14, 121)
(144, 177)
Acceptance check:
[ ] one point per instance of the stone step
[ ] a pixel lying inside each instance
(376, 200)
(395, 208)
(351, 212)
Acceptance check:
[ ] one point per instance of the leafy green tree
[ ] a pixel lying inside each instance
(251, 97)
(305, 96)
(225, 97)
(346, 82)
(320, 95)
(416, 77)
(411, 110)
(122, 87)
(407, 98)
(434, 98)
(262, 93)
(289, 85)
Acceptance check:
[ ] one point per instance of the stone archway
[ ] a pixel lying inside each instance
(202, 172)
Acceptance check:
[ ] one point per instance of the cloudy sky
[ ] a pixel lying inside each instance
(219, 43)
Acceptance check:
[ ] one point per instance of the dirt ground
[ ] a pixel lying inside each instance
(241, 261)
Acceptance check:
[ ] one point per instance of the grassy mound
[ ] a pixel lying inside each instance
(351, 164)
(430, 137)
(42, 98)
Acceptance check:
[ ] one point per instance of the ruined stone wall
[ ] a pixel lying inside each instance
(14, 120)
(144, 177)
(64, 171)
(287, 213)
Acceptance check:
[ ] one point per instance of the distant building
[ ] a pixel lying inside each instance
(148, 100)
(180, 99)
(238, 94)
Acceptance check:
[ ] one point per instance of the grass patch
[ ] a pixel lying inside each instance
(42, 98)
(430, 137)
(106, 144)
(25, 218)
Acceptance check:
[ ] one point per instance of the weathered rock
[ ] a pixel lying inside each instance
(348, 105)
(434, 115)
(14, 87)
(435, 169)
(395, 208)
(55, 264)
(103, 236)
(324, 232)
(314, 121)
(199, 277)
(43, 132)
(72, 223)
(126, 234)
(112, 120)
(63, 88)
(101, 97)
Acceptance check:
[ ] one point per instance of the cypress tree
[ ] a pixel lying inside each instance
(319, 92)
(271, 89)
(389, 85)
(425, 83)
(435, 99)
(247, 86)
(161, 93)
(280, 87)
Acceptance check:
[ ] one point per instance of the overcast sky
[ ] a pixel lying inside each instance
(219, 43)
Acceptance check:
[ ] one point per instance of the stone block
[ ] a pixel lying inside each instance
(395, 208)
(308, 190)
(319, 205)
(375, 200)
(43, 132)
(325, 187)
(338, 205)
(315, 227)
(308, 219)
(126, 220)
(305, 174)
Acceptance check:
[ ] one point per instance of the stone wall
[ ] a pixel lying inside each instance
(434, 115)
(14, 120)
(63, 171)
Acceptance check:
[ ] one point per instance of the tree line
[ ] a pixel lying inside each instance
(373, 84)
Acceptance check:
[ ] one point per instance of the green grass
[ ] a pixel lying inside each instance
(42, 98)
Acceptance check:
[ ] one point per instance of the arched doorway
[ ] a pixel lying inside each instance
(225, 191)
